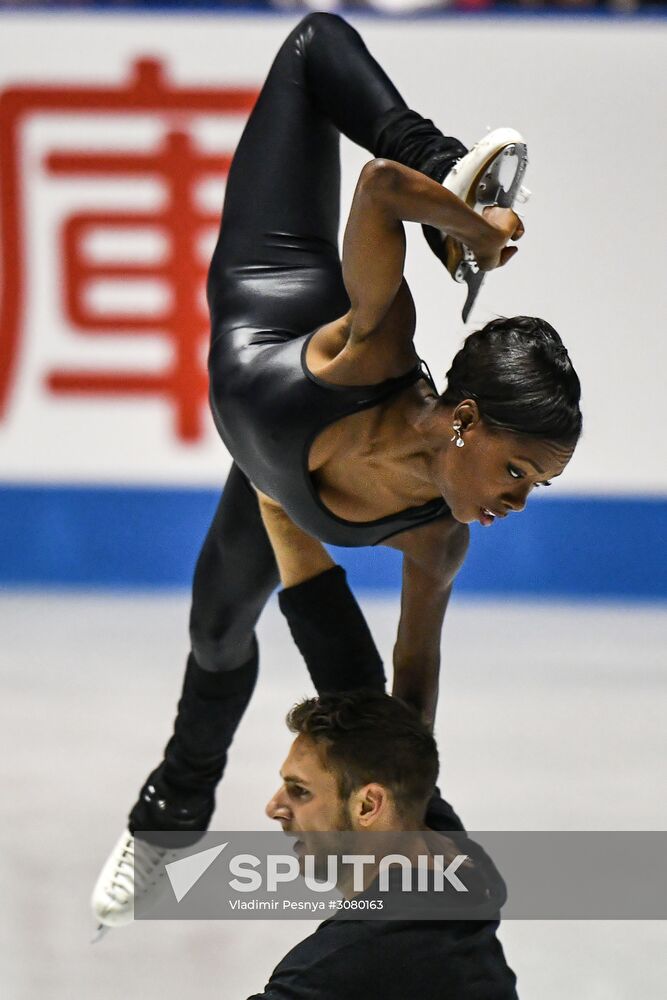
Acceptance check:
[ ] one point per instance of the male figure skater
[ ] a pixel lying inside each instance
(365, 762)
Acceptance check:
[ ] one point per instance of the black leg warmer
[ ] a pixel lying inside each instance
(416, 142)
(331, 633)
(180, 793)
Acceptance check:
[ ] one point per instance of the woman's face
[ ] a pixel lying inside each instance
(495, 471)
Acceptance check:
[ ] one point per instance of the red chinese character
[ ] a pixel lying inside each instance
(179, 166)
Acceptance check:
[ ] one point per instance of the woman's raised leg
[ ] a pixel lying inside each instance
(281, 210)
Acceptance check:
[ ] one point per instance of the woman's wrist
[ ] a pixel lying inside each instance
(476, 233)
(411, 196)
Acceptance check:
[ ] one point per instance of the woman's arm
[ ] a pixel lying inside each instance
(387, 195)
(432, 556)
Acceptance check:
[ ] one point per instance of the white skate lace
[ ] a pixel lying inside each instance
(135, 871)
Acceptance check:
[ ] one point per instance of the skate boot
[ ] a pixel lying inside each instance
(490, 174)
(135, 869)
(179, 796)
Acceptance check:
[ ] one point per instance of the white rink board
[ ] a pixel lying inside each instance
(592, 262)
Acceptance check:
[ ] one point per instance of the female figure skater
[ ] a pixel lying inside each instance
(337, 434)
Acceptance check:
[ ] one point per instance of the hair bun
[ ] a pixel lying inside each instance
(521, 374)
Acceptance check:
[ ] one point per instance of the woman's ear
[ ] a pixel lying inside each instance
(467, 414)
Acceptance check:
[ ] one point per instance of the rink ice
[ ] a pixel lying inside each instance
(551, 717)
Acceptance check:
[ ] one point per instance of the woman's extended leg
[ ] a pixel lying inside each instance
(236, 573)
(276, 264)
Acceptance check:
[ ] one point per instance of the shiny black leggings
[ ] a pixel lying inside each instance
(276, 265)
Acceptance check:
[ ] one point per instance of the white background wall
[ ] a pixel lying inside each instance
(587, 95)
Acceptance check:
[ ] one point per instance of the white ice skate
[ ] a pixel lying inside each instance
(490, 174)
(133, 870)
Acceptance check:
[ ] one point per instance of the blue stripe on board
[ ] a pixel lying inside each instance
(574, 547)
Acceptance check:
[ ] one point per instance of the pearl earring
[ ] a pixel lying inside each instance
(457, 434)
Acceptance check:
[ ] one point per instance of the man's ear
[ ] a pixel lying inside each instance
(369, 806)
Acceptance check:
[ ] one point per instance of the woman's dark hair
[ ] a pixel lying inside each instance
(520, 375)
(365, 736)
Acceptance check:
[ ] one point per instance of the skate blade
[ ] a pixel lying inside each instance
(474, 283)
(499, 184)
(500, 181)
(102, 931)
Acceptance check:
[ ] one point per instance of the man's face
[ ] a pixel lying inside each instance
(308, 799)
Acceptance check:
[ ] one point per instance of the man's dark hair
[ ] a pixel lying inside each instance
(520, 375)
(367, 736)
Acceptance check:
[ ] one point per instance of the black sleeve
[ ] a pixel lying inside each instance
(331, 633)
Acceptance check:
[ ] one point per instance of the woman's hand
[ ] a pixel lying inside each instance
(389, 194)
(491, 250)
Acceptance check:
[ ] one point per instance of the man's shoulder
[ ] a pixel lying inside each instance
(440, 815)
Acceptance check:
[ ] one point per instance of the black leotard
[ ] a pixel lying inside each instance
(269, 415)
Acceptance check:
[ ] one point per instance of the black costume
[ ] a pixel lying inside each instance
(270, 423)
(275, 277)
